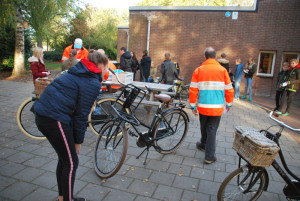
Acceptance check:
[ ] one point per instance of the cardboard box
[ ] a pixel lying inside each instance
(124, 77)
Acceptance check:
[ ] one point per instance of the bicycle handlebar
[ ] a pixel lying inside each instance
(282, 123)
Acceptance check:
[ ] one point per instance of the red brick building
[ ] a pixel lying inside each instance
(269, 31)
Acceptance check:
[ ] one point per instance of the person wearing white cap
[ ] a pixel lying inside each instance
(81, 51)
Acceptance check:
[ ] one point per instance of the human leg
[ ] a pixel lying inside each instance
(61, 138)
(246, 88)
(211, 128)
(237, 89)
(250, 88)
(289, 101)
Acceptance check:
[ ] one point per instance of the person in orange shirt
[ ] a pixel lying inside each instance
(210, 93)
(81, 51)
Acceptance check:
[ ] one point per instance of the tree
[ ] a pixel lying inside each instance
(195, 2)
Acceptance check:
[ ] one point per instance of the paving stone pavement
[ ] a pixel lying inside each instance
(27, 166)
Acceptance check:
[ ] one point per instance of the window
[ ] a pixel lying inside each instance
(288, 56)
(266, 62)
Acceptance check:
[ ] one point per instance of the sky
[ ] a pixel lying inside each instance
(118, 4)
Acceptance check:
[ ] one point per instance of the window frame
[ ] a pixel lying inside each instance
(272, 67)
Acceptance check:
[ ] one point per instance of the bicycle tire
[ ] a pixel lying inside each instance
(170, 131)
(233, 181)
(26, 120)
(111, 149)
(184, 94)
(96, 122)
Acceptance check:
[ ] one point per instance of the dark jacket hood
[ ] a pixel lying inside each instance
(146, 58)
(126, 55)
(80, 70)
(223, 61)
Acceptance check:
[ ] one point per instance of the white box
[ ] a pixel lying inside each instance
(124, 77)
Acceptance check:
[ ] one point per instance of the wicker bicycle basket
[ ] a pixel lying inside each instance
(254, 147)
(40, 85)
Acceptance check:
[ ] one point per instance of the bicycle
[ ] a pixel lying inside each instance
(166, 132)
(26, 119)
(248, 182)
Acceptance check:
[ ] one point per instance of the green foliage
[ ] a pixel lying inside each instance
(52, 65)
(7, 64)
(195, 3)
(53, 55)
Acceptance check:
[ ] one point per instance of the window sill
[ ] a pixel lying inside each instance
(264, 75)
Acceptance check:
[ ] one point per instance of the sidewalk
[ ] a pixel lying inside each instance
(27, 166)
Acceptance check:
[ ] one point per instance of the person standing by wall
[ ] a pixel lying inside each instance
(135, 65)
(224, 62)
(37, 64)
(126, 61)
(78, 46)
(145, 65)
(168, 71)
(249, 71)
(238, 78)
(209, 80)
(281, 79)
(292, 85)
(62, 112)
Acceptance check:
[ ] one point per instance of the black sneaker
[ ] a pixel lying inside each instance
(200, 146)
(79, 199)
(210, 161)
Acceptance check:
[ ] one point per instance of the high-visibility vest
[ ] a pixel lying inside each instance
(82, 54)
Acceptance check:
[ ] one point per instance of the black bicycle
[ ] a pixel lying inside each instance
(166, 132)
(248, 182)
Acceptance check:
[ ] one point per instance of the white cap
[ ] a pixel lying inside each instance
(78, 43)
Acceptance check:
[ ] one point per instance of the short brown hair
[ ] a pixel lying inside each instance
(167, 56)
(97, 58)
(285, 64)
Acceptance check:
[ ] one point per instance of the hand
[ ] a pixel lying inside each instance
(195, 112)
(227, 108)
(78, 147)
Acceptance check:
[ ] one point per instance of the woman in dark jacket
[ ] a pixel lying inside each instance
(145, 65)
(62, 112)
(135, 65)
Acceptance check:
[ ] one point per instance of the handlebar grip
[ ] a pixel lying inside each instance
(112, 71)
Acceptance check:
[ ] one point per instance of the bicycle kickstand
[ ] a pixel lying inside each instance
(147, 148)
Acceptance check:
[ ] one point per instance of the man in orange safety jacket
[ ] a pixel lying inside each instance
(210, 92)
(81, 51)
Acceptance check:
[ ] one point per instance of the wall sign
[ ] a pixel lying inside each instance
(227, 14)
(235, 15)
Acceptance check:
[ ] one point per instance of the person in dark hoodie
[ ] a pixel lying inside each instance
(281, 78)
(126, 62)
(145, 65)
(62, 112)
(224, 62)
(292, 85)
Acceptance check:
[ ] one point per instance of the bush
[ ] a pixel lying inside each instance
(53, 55)
(7, 64)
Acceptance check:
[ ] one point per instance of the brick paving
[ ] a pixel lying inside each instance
(27, 166)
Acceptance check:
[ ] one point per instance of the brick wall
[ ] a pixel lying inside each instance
(275, 26)
(122, 40)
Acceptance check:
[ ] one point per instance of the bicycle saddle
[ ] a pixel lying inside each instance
(163, 98)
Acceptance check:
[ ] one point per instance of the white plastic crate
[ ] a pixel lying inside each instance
(124, 77)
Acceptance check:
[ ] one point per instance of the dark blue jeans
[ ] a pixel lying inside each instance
(208, 127)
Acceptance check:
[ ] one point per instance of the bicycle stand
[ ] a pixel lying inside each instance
(147, 148)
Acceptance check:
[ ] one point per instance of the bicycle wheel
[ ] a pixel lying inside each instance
(184, 94)
(26, 120)
(102, 113)
(235, 184)
(170, 131)
(111, 149)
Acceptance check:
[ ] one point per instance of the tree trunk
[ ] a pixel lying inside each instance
(39, 42)
(19, 66)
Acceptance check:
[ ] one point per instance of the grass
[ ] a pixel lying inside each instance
(52, 65)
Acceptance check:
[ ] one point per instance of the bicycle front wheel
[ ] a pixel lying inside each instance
(170, 131)
(111, 149)
(26, 120)
(236, 185)
(102, 112)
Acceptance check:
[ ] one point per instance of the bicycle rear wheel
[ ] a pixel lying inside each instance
(170, 131)
(102, 113)
(26, 120)
(235, 185)
(111, 149)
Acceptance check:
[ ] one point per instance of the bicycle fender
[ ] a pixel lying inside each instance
(183, 112)
(267, 180)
